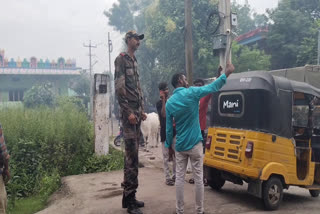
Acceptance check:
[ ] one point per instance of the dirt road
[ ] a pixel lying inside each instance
(100, 193)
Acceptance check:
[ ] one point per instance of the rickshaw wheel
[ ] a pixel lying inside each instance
(216, 182)
(314, 193)
(272, 193)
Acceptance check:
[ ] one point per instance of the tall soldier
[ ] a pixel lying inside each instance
(128, 90)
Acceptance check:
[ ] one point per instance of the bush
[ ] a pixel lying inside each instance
(113, 161)
(39, 95)
(49, 183)
(44, 140)
(65, 101)
(46, 143)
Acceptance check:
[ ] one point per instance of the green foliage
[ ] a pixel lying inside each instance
(27, 205)
(247, 58)
(49, 183)
(39, 95)
(113, 161)
(311, 8)
(307, 50)
(162, 53)
(81, 84)
(292, 36)
(124, 16)
(70, 101)
(248, 20)
(43, 140)
(47, 143)
(244, 14)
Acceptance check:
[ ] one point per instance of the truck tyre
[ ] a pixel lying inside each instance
(216, 182)
(272, 193)
(314, 193)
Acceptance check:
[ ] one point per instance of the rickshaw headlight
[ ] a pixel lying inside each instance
(208, 142)
(249, 149)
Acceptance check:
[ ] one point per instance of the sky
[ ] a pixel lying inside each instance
(59, 28)
(260, 6)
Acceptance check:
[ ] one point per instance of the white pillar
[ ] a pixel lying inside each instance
(101, 114)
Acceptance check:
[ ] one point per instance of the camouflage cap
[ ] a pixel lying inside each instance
(133, 34)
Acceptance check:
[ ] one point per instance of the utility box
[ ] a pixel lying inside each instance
(101, 113)
(234, 20)
(220, 42)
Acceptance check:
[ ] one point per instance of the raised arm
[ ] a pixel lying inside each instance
(200, 92)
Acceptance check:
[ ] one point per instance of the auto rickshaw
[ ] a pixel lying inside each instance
(264, 130)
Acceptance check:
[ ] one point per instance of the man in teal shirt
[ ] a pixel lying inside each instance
(183, 108)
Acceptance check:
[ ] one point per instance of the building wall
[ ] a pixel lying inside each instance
(19, 84)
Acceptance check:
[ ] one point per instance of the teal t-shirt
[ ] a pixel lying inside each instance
(183, 107)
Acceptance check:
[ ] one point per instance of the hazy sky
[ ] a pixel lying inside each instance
(54, 28)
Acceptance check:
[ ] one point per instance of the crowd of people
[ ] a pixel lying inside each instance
(182, 119)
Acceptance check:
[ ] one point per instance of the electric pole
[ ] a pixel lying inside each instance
(110, 48)
(90, 69)
(225, 28)
(188, 40)
(319, 48)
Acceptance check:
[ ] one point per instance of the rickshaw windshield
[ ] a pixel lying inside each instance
(316, 117)
(300, 115)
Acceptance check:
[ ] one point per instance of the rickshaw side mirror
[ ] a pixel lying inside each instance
(274, 138)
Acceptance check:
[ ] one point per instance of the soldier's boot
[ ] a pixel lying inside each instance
(132, 206)
(125, 201)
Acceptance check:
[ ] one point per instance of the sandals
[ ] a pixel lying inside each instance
(191, 181)
(205, 181)
(170, 182)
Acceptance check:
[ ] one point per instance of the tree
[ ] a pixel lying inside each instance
(310, 8)
(39, 95)
(260, 20)
(291, 33)
(244, 13)
(246, 58)
(127, 14)
(81, 84)
(164, 21)
(308, 49)
(161, 54)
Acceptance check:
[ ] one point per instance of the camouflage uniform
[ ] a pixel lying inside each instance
(128, 90)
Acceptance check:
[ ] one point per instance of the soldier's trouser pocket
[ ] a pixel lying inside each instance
(130, 131)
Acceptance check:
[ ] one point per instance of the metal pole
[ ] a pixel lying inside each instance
(91, 82)
(319, 48)
(91, 85)
(110, 83)
(188, 40)
(225, 28)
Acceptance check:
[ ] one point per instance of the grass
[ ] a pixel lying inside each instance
(28, 205)
(33, 204)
